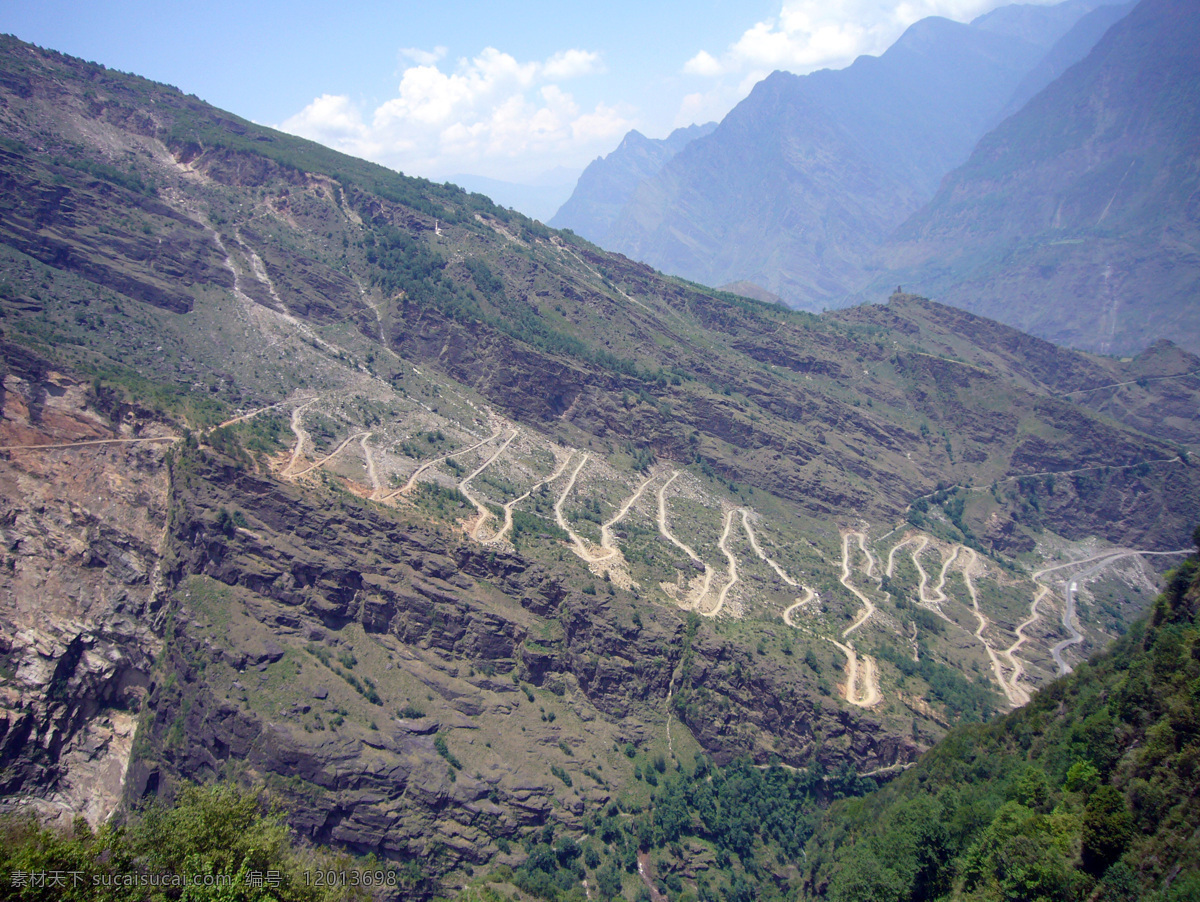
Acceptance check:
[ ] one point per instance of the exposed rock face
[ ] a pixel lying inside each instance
(53, 226)
(256, 609)
(81, 530)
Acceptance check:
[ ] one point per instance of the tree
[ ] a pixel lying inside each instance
(608, 881)
(1106, 829)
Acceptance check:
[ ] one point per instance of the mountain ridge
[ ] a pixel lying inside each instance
(807, 174)
(449, 527)
(1084, 193)
(609, 181)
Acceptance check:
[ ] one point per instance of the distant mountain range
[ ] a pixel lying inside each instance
(802, 180)
(609, 183)
(1078, 218)
(1071, 213)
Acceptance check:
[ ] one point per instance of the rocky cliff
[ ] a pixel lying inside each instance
(80, 587)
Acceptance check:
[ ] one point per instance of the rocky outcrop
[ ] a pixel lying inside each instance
(371, 669)
(50, 215)
(81, 529)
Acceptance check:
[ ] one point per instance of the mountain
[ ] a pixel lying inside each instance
(610, 181)
(454, 534)
(1079, 794)
(1067, 51)
(1076, 218)
(806, 176)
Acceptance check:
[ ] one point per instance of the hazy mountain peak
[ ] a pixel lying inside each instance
(610, 181)
(804, 177)
(1036, 23)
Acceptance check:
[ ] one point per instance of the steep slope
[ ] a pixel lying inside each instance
(1083, 793)
(609, 182)
(808, 174)
(1075, 219)
(448, 527)
(1156, 392)
(1070, 49)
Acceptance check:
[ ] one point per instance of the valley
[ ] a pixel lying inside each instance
(450, 531)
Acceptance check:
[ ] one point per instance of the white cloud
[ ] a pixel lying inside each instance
(703, 63)
(812, 34)
(330, 119)
(573, 64)
(722, 96)
(490, 114)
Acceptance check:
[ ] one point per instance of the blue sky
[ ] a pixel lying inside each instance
(508, 90)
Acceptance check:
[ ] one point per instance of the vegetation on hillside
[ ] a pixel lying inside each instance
(1088, 792)
(197, 266)
(215, 843)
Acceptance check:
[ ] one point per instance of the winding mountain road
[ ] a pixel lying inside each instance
(1018, 668)
(1014, 696)
(372, 472)
(607, 541)
(579, 544)
(64, 446)
(731, 561)
(1069, 618)
(665, 531)
(508, 508)
(891, 560)
(484, 513)
(332, 454)
(241, 418)
(869, 694)
(758, 550)
(868, 606)
(809, 595)
(302, 437)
